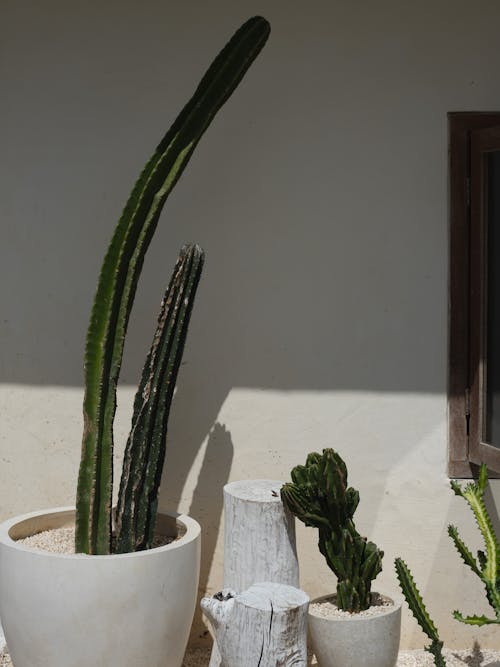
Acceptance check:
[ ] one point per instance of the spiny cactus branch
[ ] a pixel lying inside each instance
(475, 620)
(417, 608)
(462, 549)
(120, 273)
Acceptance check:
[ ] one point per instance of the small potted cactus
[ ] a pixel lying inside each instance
(352, 627)
(119, 599)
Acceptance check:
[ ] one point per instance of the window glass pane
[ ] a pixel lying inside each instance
(492, 416)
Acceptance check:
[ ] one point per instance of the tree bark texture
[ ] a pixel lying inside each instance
(265, 626)
(259, 539)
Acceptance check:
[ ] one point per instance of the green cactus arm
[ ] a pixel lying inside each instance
(334, 549)
(482, 481)
(313, 458)
(300, 475)
(483, 521)
(348, 597)
(414, 599)
(352, 501)
(305, 508)
(462, 549)
(372, 563)
(145, 450)
(436, 649)
(475, 620)
(490, 561)
(120, 272)
(481, 557)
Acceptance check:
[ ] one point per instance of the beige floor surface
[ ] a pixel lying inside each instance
(472, 658)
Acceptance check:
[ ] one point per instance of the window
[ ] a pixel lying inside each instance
(474, 297)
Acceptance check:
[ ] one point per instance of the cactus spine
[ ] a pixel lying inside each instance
(417, 607)
(120, 273)
(145, 450)
(487, 565)
(319, 496)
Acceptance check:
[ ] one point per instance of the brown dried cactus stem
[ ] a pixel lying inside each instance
(145, 450)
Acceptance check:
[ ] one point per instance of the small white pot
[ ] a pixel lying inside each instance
(122, 610)
(367, 641)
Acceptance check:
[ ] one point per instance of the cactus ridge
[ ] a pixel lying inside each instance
(464, 552)
(487, 565)
(319, 496)
(414, 599)
(145, 449)
(436, 649)
(417, 608)
(474, 620)
(120, 273)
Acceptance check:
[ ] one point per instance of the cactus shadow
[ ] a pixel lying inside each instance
(206, 506)
(194, 420)
(476, 658)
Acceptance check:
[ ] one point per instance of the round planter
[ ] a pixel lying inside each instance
(353, 641)
(122, 610)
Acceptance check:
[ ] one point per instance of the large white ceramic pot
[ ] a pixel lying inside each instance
(354, 640)
(122, 610)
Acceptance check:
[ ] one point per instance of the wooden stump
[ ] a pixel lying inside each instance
(259, 539)
(265, 625)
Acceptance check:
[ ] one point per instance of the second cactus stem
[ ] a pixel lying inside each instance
(145, 450)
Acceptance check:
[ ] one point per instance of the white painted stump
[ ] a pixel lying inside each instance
(265, 625)
(259, 538)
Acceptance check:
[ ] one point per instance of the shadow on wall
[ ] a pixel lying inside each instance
(206, 501)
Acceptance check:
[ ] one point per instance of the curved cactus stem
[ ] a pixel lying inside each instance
(120, 273)
(414, 599)
(145, 450)
(417, 608)
(462, 549)
(475, 620)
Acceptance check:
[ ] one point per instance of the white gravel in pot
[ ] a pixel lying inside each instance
(327, 608)
(62, 541)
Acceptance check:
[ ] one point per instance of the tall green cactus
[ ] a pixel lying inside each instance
(145, 450)
(120, 273)
(417, 607)
(487, 565)
(319, 496)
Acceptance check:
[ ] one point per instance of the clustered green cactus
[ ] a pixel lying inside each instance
(110, 314)
(417, 607)
(319, 496)
(487, 565)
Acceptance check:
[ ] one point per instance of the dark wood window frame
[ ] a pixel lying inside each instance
(465, 450)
